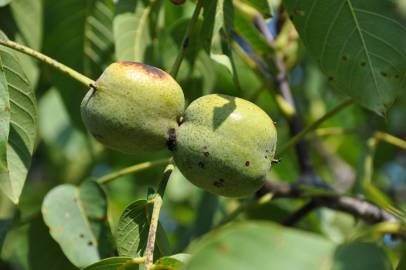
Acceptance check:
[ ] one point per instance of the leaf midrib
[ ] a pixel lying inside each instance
(364, 46)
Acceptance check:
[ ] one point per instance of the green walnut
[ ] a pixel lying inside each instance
(225, 145)
(133, 107)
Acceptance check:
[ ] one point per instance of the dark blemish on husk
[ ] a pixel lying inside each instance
(171, 142)
(219, 183)
(330, 78)
(201, 164)
(147, 69)
(344, 58)
(98, 136)
(247, 163)
(223, 248)
(384, 74)
(363, 64)
(90, 243)
(81, 235)
(206, 154)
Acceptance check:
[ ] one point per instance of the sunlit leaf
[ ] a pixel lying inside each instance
(78, 34)
(76, 218)
(18, 124)
(359, 45)
(263, 245)
(4, 2)
(132, 29)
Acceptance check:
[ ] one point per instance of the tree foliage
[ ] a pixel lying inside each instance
(330, 73)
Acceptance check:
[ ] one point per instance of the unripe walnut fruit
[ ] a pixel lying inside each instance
(133, 108)
(225, 145)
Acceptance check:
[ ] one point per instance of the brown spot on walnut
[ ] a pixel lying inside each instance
(363, 64)
(147, 69)
(81, 235)
(201, 164)
(247, 163)
(90, 243)
(344, 58)
(171, 142)
(206, 154)
(98, 136)
(223, 248)
(219, 183)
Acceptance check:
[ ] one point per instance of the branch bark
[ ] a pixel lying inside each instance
(282, 84)
(357, 207)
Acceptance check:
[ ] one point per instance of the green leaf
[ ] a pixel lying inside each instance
(263, 245)
(30, 247)
(64, 144)
(260, 246)
(132, 231)
(132, 29)
(246, 29)
(76, 218)
(224, 60)
(18, 124)
(213, 21)
(114, 263)
(218, 17)
(402, 263)
(359, 45)
(266, 7)
(4, 2)
(5, 226)
(360, 256)
(29, 33)
(79, 34)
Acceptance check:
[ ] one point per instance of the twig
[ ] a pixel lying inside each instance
(388, 138)
(132, 169)
(186, 39)
(149, 251)
(359, 208)
(301, 213)
(282, 84)
(50, 61)
(157, 200)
